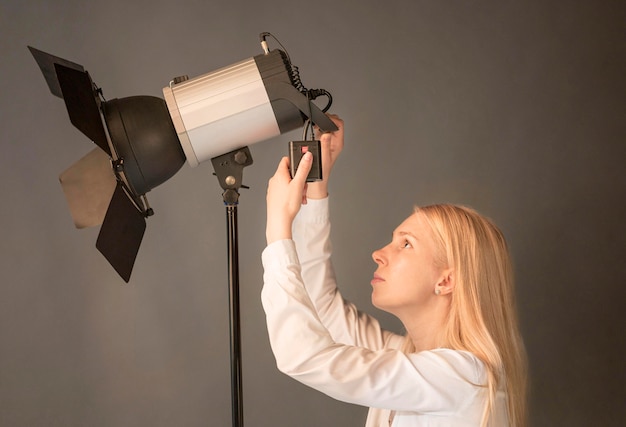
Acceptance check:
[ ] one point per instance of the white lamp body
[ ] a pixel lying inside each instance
(221, 111)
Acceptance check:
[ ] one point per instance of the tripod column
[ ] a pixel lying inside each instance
(235, 324)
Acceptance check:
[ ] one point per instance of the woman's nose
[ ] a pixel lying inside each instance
(378, 257)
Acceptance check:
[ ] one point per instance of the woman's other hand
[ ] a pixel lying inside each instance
(332, 144)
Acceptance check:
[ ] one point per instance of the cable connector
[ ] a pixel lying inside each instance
(264, 45)
(265, 48)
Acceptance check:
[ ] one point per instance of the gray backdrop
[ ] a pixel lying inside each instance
(515, 108)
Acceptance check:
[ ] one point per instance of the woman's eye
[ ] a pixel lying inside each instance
(406, 244)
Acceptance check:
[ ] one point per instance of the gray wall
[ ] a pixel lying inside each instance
(515, 108)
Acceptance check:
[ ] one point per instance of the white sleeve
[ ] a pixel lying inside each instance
(439, 381)
(346, 324)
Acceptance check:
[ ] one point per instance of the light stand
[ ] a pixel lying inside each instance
(229, 171)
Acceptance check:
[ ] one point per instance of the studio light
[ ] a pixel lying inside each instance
(142, 141)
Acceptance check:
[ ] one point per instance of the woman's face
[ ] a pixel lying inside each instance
(407, 272)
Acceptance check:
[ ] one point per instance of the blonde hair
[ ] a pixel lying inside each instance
(482, 317)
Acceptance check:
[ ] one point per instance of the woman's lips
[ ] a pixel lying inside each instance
(377, 279)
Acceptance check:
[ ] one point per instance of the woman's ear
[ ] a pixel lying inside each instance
(445, 284)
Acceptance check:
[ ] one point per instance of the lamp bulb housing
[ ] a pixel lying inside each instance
(144, 137)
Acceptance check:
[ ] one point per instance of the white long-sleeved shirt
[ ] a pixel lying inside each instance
(326, 343)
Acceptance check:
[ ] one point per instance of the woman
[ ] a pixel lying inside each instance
(446, 275)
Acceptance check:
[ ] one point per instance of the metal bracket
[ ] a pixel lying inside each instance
(229, 171)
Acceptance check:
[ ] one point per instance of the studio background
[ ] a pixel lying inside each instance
(516, 108)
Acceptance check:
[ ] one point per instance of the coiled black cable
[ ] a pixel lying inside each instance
(294, 75)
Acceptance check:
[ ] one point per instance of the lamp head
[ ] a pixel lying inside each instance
(142, 141)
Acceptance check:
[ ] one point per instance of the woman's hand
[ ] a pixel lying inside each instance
(332, 144)
(284, 198)
(286, 195)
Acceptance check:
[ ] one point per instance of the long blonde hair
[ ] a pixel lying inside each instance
(483, 317)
